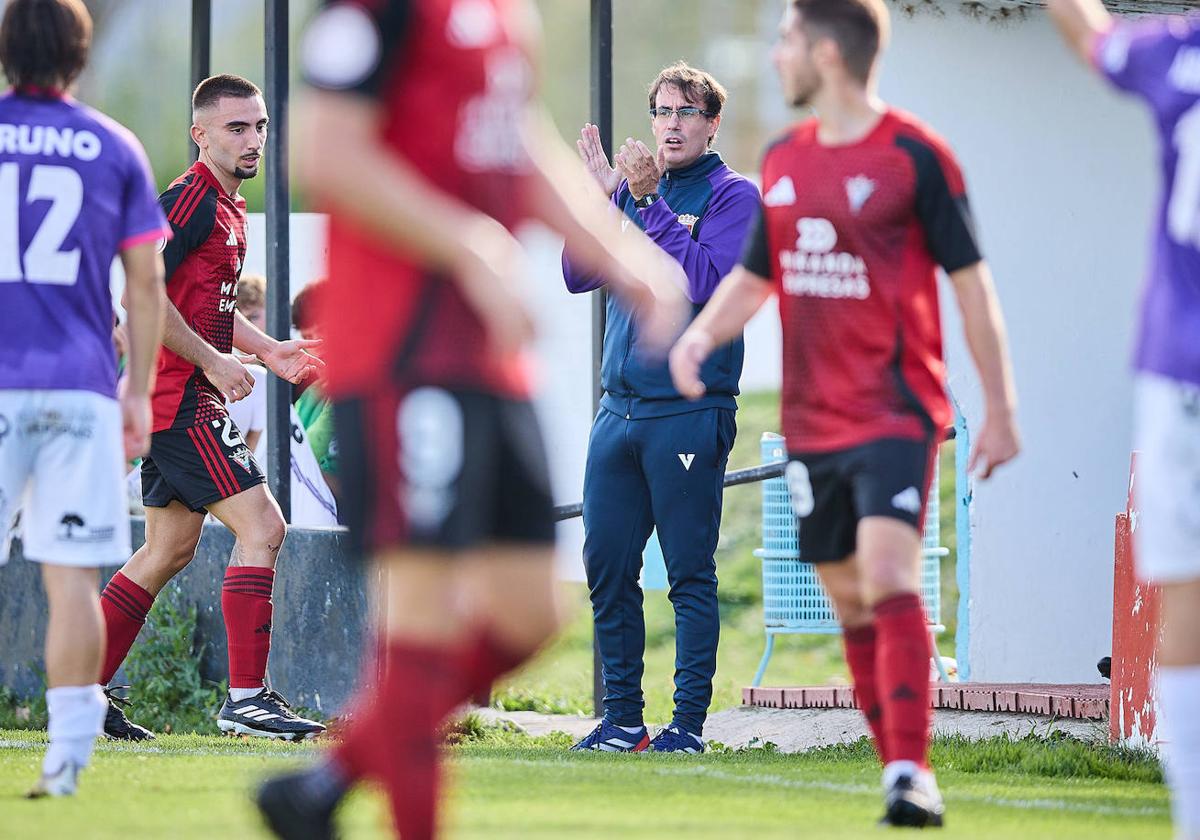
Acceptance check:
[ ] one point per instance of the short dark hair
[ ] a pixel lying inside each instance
(859, 28)
(695, 84)
(44, 43)
(216, 87)
(305, 304)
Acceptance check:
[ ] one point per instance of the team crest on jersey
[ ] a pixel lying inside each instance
(858, 190)
(688, 220)
(781, 194)
(241, 456)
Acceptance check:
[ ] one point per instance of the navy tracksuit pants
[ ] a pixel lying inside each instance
(665, 473)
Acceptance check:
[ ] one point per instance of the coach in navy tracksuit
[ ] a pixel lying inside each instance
(654, 458)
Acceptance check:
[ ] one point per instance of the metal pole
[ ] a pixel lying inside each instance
(602, 117)
(278, 201)
(201, 51)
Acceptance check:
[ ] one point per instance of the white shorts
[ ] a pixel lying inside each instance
(62, 466)
(1167, 479)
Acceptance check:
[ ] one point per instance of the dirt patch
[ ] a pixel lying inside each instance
(796, 730)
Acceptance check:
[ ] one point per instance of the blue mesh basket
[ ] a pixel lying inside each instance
(793, 599)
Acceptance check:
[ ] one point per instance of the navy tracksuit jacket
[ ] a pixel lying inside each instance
(656, 460)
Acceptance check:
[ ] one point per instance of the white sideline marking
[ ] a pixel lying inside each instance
(839, 787)
(132, 749)
(700, 770)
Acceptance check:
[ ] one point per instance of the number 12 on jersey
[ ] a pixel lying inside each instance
(44, 261)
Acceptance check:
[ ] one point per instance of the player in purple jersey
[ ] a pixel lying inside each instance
(1158, 60)
(75, 192)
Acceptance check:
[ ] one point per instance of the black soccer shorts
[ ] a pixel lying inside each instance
(442, 468)
(831, 491)
(198, 465)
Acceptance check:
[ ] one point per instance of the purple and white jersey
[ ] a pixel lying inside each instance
(75, 190)
(1159, 60)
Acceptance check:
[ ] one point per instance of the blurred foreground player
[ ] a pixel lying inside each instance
(1157, 60)
(445, 481)
(198, 461)
(862, 204)
(76, 193)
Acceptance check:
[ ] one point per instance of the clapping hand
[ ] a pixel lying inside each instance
(592, 152)
(640, 166)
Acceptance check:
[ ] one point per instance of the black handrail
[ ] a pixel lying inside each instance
(749, 475)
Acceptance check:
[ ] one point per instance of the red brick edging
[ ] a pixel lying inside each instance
(1085, 702)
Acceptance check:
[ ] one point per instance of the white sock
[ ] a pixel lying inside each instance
(632, 730)
(895, 769)
(237, 695)
(1179, 727)
(76, 720)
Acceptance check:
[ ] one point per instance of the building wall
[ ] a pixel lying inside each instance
(1062, 179)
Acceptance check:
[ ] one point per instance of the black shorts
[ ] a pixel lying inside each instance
(831, 491)
(442, 468)
(198, 465)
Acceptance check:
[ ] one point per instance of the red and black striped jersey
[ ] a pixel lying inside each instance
(452, 83)
(203, 263)
(851, 236)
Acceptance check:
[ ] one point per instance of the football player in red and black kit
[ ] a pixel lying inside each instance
(861, 205)
(198, 461)
(424, 144)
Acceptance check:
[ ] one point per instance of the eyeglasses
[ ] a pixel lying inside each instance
(685, 114)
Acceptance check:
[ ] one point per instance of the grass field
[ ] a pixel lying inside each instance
(510, 786)
(560, 680)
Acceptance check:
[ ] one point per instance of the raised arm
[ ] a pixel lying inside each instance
(563, 196)
(1080, 22)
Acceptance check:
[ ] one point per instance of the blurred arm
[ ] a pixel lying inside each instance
(143, 299)
(382, 192)
(1080, 22)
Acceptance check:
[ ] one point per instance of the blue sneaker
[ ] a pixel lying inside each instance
(676, 739)
(608, 737)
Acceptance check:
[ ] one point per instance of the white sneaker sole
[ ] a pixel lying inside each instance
(60, 784)
(230, 727)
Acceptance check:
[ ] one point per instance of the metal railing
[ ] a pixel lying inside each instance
(793, 600)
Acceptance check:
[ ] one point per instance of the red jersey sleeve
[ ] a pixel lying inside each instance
(756, 255)
(941, 202)
(352, 45)
(191, 208)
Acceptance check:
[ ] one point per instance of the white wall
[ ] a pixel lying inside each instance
(1062, 178)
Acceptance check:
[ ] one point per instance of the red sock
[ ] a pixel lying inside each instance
(902, 673)
(125, 605)
(860, 656)
(485, 659)
(394, 736)
(246, 606)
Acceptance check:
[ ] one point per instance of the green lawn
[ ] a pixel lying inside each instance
(561, 679)
(506, 786)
